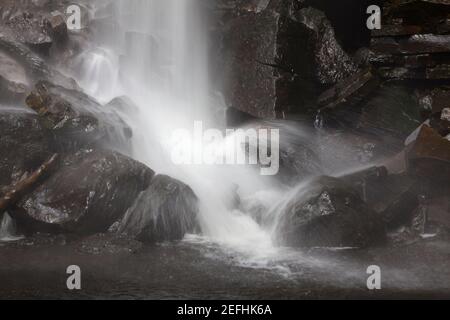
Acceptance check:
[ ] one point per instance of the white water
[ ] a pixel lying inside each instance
(158, 58)
(8, 229)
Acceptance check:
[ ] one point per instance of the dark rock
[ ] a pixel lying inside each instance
(299, 157)
(166, 211)
(331, 62)
(396, 30)
(76, 119)
(35, 67)
(428, 156)
(30, 30)
(392, 111)
(56, 26)
(87, 194)
(328, 213)
(23, 145)
(14, 82)
(434, 100)
(282, 60)
(350, 91)
(416, 44)
(11, 91)
(429, 14)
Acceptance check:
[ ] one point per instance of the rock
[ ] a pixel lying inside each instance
(56, 26)
(428, 156)
(24, 145)
(35, 67)
(166, 211)
(328, 213)
(390, 111)
(13, 80)
(416, 44)
(299, 158)
(76, 119)
(350, 91)
(396, 30)
(331, 63)
(86, 195)
(30, 30)
(283, 59)
(434, 100)
(11, 91)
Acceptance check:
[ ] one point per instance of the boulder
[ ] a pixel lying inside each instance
(35, 67)
(283, 60)
(428, 156)
(326, 212)
(166, 211)
(24, 145)
(30, 30)
(76, 119)
(87, 193)
(14, 83)
(390, 111)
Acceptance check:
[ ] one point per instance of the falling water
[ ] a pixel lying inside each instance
(8, 229)
(159, 59)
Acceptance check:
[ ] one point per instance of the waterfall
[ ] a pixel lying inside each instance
(8, 229)
(161, 62)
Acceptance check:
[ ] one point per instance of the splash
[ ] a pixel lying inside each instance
(159, 58)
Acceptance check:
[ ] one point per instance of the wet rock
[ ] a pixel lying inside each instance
(11, 91)
(328, 213)
(56, 26)
(433, 100)
(166, 211)
(428, 156)
(396, 30)
(88, 193)
(350, 91)
(24, 145)
(392, 111)
(30, 30)
(282, 60)
(35, 67)
(123, 105)
(416, 44)
(76, 119)
(431, 15)
(13, 80)
(331, 62)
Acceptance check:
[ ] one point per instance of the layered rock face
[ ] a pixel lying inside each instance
(278, 55)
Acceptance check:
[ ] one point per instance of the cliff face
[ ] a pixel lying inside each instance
(286, 59)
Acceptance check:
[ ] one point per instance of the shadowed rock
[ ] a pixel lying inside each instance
(166, 211)
(23, 145)
(328, 213)
(283, 59)
(76, 119)
(87, 194)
